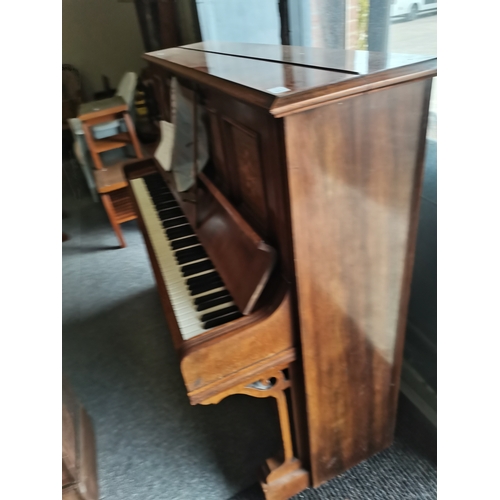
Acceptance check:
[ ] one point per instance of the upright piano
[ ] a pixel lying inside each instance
(284, 271)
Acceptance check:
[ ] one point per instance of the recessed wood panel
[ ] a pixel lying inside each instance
(249, 189)
(251, 137)
(222, 178)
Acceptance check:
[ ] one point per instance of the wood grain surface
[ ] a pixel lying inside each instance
(355, 169)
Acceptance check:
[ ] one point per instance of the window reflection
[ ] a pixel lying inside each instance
(416, 35)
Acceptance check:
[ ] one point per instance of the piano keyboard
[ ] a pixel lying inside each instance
(196, 291)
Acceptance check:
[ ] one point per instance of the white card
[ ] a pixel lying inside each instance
(278, 90)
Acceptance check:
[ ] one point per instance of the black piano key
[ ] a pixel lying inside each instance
(221, 312)
(159, 188)
(202, 278)
(153, 177)
(220, 321)
(164, 205)
(212, 303)
(157, 191)
(164, 201)
(211, 296)
(205, 287)
(193, 253)
(175, 233)
(171, 213)
(197, 267)
(166, 213)
(189, 258)
(156, 186)
(185, 242)
(161, 194)
(154, 181)
(178, 221)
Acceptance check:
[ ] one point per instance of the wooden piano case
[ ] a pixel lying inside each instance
(328, 172)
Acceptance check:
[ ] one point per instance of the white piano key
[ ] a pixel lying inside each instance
(185, 310)
(220, 289)
(216, 308)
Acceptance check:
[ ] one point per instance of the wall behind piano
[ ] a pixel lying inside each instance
(101, 37)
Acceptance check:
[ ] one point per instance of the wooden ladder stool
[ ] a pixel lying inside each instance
(112, 187)
(107, 110)
(110, 181)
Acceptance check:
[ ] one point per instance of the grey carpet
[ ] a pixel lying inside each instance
(151, 444)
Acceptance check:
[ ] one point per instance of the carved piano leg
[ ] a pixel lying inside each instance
(281, 477)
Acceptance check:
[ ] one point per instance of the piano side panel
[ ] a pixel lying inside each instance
(355, 172)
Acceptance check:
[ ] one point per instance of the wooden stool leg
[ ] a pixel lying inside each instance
(91, 145)
(133, 136)
(108, 206)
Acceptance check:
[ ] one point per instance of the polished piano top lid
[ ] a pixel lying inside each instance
(287, 79)
(356, 62)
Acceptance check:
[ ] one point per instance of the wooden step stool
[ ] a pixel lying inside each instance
(110, 182)
(113, 190)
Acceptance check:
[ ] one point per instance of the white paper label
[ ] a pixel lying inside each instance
(278, 90)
